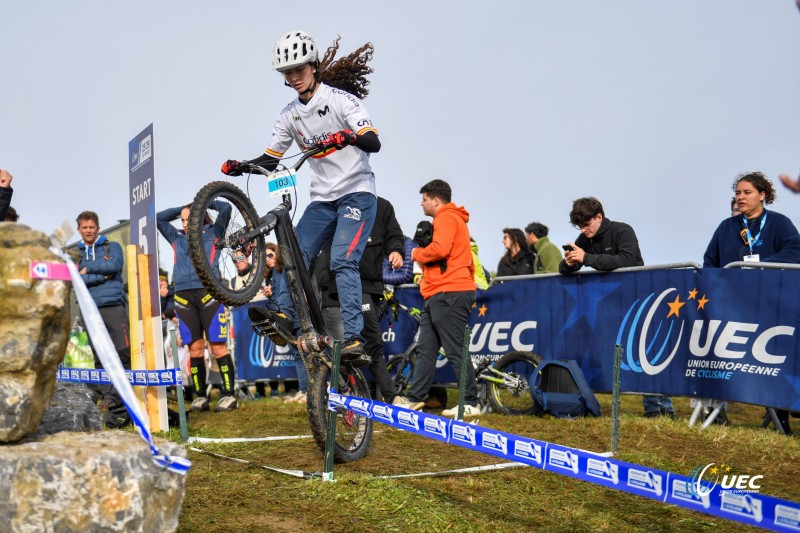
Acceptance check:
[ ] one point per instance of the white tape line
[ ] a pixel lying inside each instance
(498, 466)
(245, 439)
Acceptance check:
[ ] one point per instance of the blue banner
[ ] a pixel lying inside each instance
(740, 502)
(258, 358)
(727, 334)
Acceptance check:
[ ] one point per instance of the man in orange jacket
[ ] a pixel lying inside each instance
(448, 287)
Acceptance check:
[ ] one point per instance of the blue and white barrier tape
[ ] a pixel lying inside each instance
(748, 508)
(105, 351)
(140, 378)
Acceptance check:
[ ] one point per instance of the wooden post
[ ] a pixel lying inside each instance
(155, 410)
(137, 361)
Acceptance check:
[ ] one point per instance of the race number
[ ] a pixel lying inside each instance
(282, 182)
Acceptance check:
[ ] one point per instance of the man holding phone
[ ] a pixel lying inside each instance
(605, 245)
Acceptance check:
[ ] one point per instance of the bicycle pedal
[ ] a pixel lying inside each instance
(266, 328)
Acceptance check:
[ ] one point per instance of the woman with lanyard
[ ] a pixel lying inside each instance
(328, 113)
(755, 234)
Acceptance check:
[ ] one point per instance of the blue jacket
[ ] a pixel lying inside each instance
(404, 274)
(183, 273)
(103, 262)
(779, 241)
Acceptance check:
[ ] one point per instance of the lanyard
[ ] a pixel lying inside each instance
(750, 239)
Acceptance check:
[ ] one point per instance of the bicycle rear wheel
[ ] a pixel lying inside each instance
(401, 368)
(511, 396)
(213, 255)
(353, 430)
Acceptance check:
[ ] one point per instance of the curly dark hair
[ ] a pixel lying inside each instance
(348, 73)
(760, 182)
(517, 237)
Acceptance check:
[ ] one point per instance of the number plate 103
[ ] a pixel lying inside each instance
(282, 182)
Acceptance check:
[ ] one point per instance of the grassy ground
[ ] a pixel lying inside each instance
(226, 496)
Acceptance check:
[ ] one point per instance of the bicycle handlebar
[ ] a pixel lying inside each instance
(257, 169)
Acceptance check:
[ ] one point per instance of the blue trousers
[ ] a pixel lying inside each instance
(347, 223)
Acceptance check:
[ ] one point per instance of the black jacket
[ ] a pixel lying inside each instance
(5, 201)
(386, 237)
(520, 265)
(614, 246)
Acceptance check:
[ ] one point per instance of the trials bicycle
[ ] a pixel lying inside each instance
(502, 384)
(245, 235)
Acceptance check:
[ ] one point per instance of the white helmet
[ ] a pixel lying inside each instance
(292, 50)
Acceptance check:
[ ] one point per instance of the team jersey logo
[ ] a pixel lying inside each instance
(353, 212)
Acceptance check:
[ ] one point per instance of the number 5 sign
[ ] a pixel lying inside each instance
(143, 205)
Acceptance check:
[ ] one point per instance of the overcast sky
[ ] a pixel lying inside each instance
(653, 107)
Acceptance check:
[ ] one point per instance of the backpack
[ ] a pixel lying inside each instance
(559, 388)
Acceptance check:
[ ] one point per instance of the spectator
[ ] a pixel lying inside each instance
(734, 208)
(518, 259)
(197, 312)
(100, 268)
(404, 274)
(547, 254)
(449, 294)
(166, 291)
(605, 245)
(343, 197)
(6, 192)
(756, 235)
(273, 279)
(760, 235)
(482, 276)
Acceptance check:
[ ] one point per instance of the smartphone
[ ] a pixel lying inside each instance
(567, 247)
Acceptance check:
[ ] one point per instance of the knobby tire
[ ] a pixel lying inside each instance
(353, 431)
(519, 367)
(215, 275)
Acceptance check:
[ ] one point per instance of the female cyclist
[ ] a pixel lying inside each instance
(328, 112)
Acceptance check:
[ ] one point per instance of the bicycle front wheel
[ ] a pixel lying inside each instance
(216, 257)
(353, 430)
(508, 383)
(401, 368)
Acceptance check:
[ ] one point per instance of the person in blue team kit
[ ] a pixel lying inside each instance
(328, 113)
(197, 312)
(754, 234)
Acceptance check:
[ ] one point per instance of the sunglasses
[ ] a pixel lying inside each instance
(270, 255)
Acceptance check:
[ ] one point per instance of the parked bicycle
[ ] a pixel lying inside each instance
(502, 383)
(245, 236)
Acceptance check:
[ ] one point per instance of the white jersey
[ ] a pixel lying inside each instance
(330, 110)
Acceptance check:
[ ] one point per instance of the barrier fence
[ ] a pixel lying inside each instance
(684, 332)
(690, 492)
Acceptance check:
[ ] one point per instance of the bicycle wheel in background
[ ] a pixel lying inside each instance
(353, 431)
(401, 368)
(218, 273)
(512, 397)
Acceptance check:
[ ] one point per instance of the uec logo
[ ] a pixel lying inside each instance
(697, 486)
(729, 341)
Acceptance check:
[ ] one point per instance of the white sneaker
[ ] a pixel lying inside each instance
(469, 410)
(292, 398)
(402, 401)
(200, 403)
(226, 403)
(301, 398)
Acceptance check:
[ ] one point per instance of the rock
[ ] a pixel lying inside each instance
(103, 481)
(34, 329)
(71, 409)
